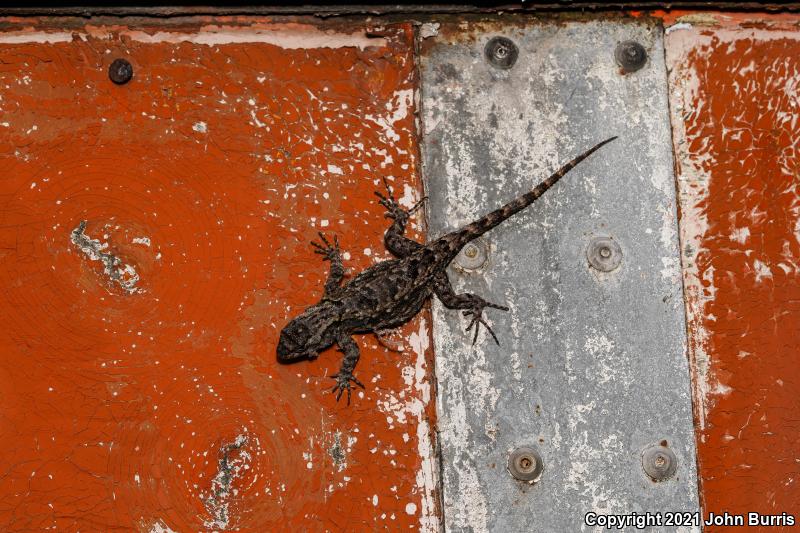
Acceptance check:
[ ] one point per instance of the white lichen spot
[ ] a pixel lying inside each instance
(200, 127)
(233, 460)
(124, 275)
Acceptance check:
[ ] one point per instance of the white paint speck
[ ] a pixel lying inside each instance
(762, 270)
(161, 527)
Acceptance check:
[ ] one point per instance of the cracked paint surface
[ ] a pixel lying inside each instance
(735, 102)
(163, 409)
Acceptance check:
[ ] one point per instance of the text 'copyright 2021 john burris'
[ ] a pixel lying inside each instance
(676, 519)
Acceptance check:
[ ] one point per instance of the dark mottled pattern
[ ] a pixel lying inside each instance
(392, 292)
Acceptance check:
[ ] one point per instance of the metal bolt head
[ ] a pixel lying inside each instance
(525, 464)
(501, 52)
(659, 462)
(120, 71)
(473, 256)
(604, 254)
(630, 55)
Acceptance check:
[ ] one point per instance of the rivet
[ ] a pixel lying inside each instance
(525, 464)
(604, 254)
(473, 256)
(659, 462)
(501, 52)
(120, 71)
(630, 55)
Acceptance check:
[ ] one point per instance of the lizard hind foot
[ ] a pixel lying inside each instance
(477, 320)
(343, 380)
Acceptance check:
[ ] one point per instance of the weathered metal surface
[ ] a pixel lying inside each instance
(735, 100)
(591, 369)
(154, 240)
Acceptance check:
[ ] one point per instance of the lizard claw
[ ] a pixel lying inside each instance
(343, 380)
(393, 209)
(417, 205)
(477, 319)
(326, 250)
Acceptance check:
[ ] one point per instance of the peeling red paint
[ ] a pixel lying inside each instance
(735, 112)
(209, 173)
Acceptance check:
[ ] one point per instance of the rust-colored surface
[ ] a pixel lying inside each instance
(145, 395)
(735, 97)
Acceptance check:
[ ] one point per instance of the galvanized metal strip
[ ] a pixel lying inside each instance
(591, 370)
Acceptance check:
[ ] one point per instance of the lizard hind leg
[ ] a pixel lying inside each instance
(382, 337)
(472, 304)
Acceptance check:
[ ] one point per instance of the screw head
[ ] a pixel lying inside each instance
(501, 52)
(659, 463)
(120, 71)
(473, 256)
(525, 464)
(630, 55)
(604, 254)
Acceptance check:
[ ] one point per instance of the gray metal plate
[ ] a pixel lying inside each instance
(591, 369)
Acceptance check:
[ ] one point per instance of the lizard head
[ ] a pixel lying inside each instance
(297, 341)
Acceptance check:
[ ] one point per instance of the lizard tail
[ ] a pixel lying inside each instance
(456, 240)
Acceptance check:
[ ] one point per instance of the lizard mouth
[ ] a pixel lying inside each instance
(284, 351)
(289, 351)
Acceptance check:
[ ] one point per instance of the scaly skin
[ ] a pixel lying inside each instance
(391, 293)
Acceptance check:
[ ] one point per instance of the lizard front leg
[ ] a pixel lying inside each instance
(351, 354)
(334, 255)
(399, 245)
(473, 304)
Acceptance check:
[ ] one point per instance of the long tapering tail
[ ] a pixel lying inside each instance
(456, 240)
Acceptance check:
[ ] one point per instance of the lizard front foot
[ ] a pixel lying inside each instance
(326, 250)
(477, 319)
(343, 380)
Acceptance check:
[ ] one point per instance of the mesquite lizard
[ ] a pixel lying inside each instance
(392, 292)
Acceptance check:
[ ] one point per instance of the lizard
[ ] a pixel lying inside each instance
(390, 293)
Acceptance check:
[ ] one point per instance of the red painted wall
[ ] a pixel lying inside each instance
(156, 403)
(736, 118)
